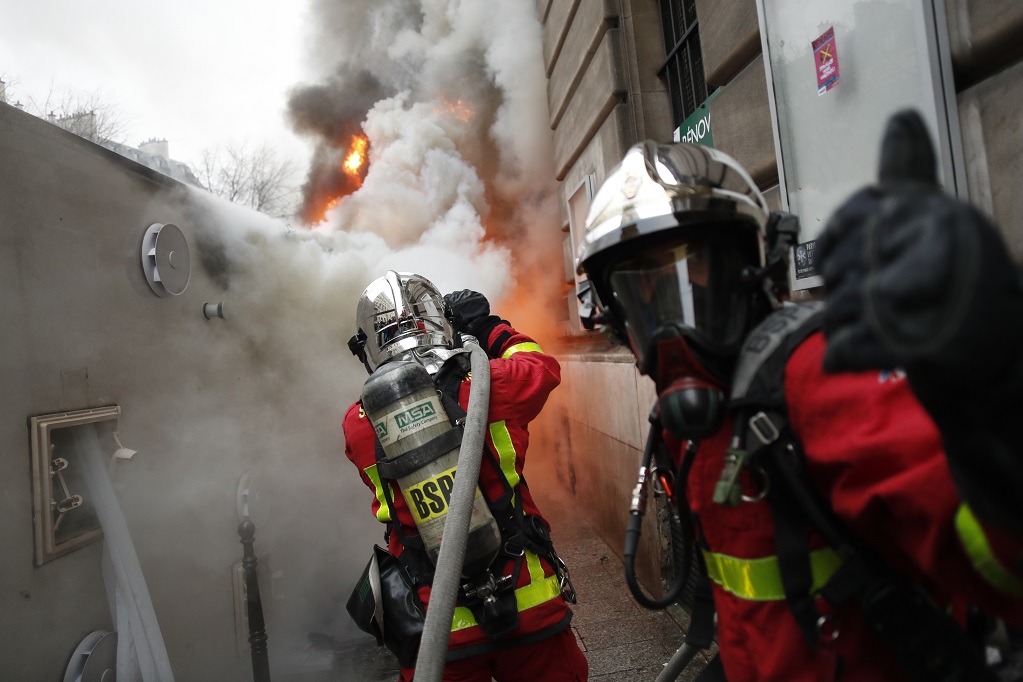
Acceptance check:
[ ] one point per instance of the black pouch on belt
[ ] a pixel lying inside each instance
(497, 615)
(384, 604)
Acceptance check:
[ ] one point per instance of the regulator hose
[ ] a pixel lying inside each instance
(683, 553)
(677, 663)
(433, 646)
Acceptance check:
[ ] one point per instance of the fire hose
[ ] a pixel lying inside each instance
(433, 646)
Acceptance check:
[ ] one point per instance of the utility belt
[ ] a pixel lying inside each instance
(492, 595)
(385, 602)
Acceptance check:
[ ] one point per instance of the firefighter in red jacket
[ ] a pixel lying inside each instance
(403, 317)
(689, 270)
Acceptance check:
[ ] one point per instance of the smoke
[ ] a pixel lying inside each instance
(459, 188)
(451, 96)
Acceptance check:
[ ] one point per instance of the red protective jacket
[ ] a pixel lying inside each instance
(521, 378)
(877, 456)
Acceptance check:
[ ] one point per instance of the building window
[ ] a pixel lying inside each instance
(577, 205)
(683, 66)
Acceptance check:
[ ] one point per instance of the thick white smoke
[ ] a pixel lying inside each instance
(459, 186)
(460, 181)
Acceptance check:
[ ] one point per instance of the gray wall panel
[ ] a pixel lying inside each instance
(591, 22)
(555, 28)
(993, 142)
(203, 401)
(741, 123)
(985, 36)
(729, 36)
(602, 88)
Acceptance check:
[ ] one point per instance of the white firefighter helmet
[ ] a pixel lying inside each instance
(671, 244)
(399, 314)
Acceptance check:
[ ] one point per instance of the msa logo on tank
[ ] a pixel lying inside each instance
(406, 421)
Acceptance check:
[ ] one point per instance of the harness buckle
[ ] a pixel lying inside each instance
(514, 549)
(763, 428)
(763, 491)
(827, 629)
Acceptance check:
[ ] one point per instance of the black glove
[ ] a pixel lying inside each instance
(468, 305)
(470, 313)
(915, 278)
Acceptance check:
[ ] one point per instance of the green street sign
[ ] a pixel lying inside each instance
(696, 128)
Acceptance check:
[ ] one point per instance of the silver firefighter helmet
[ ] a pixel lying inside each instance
(399, 315)
(669, 242)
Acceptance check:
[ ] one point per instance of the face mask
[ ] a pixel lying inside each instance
(691, 400)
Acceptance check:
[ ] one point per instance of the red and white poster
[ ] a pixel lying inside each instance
(825, 57)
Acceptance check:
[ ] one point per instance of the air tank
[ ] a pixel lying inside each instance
(405, 409)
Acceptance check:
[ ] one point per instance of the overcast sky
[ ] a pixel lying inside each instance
(198, 73)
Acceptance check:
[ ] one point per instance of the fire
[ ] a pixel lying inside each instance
(338, 180)
(459, 109)
(356, 158)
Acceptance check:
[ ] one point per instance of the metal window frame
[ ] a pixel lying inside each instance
(672, 53)
(47, 547)
(575, 233)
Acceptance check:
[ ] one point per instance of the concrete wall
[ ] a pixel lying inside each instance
(986, 38)
(601, 58)
(740, 113)
(203, 402)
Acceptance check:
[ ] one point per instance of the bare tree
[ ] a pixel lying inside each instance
(90, 115)
(258, 179)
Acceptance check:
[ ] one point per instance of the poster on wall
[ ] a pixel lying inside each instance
(825, 56)
(806, 260)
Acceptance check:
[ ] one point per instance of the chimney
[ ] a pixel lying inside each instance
(3, 92)
(156, 148)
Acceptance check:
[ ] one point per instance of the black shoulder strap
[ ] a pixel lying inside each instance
(760, 370)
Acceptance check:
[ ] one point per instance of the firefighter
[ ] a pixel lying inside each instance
(824, 511)
(402, 317)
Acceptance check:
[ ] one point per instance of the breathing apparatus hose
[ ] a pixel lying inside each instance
(433, 646)
(677, 663)
(683, 553)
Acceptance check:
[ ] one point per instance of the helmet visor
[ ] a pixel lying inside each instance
(693, 287)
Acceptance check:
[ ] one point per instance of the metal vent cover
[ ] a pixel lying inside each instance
(165, 259)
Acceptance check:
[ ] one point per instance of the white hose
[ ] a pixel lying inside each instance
(142, 629)
(433, 646)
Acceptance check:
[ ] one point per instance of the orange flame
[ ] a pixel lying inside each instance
(356, 158)
(459, 109)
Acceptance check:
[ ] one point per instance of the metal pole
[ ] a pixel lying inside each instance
(254, 605)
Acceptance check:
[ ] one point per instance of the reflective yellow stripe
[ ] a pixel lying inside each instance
(537, 592)
(528, 347)
(760, 579)
(383, 513)
(534, 566)
(977, 547)
(505, 451)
